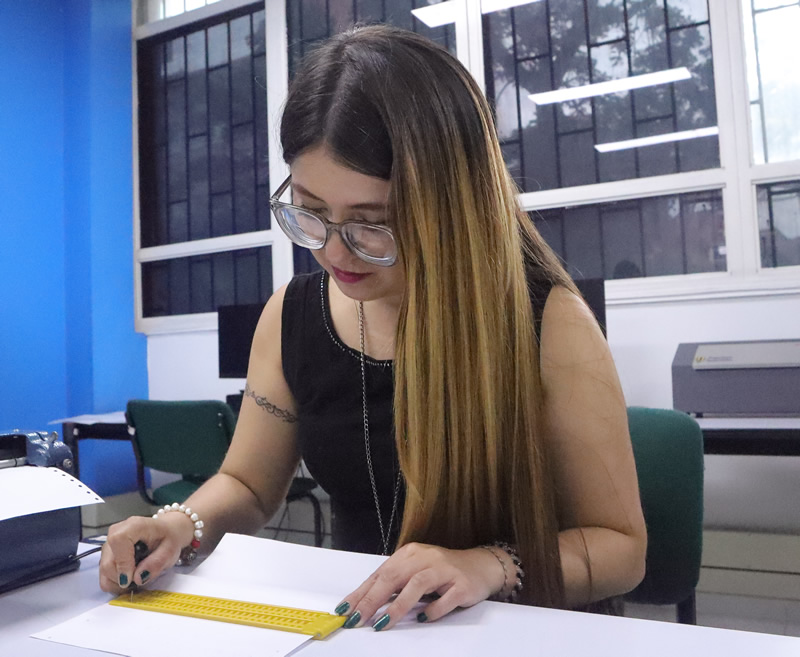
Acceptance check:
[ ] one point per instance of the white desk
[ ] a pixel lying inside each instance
(486, 629)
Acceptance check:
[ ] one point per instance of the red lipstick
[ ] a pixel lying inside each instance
(350, 277)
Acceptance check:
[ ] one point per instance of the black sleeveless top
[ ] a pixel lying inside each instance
(324, 376)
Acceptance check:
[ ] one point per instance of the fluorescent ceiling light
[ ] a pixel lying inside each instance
(656, 139)
(611, 86)
(488, 6)
(444, 13)
(437, 15)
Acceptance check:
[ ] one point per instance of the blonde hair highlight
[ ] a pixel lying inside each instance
(468, 395)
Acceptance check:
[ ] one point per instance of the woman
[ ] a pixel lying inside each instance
(450, 390)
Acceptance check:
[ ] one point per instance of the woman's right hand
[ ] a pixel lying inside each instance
(165, 537)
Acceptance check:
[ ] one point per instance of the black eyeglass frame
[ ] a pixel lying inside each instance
(275, 204)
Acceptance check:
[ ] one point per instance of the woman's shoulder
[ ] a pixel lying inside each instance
(297, 291)
(569, 330)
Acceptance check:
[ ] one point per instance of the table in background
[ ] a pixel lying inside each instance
(108, 426)
(756, 436)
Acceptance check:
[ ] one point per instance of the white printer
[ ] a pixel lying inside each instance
(758, 378)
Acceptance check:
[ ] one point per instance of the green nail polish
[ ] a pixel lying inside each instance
(382, 622)
(123, 580)
(352, 621)
(145, 576)
(422, 617)
(342, 609)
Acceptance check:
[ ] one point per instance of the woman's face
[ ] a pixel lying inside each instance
(322, 184)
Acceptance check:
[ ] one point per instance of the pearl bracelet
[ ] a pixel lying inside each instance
(189, 553)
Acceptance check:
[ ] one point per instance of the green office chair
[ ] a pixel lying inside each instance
(191, 438)
(668, 448)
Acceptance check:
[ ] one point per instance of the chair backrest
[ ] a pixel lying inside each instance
(668, 448)
(181, 437)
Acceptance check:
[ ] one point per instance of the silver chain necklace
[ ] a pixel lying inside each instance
(385, 533)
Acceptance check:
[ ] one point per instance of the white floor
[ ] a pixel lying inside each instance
(295, 522)
(751, 614)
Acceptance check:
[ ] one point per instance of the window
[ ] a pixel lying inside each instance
(203, 118)
(203, 283)
(616, 122)
(770, 27)
(309, 21)
(562, 78)
(655, 143)
(204, 232)
(779, 223)
(654, 236)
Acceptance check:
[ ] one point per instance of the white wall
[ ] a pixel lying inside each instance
(643, 338)
(186, 366)
(741, 491)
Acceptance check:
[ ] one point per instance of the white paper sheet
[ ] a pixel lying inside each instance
(138, 633)
(116, 417)
(329, 573)
(30, 489)
(241, 568)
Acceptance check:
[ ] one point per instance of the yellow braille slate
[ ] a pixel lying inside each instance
(317, 624)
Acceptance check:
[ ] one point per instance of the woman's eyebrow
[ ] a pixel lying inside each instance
(380, 207)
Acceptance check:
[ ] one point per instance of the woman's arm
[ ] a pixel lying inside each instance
(257, 471)
(603, 539)
(251, 484)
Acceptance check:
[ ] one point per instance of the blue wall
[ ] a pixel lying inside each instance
(67, 340)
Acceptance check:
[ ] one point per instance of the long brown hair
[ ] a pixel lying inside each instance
(467, 400)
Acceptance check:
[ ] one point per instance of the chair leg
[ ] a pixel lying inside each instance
(687, 611)
(317, 519)
(141, 484)
(317, 513)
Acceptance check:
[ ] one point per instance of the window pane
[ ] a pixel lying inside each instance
(150, 11)
(687, 12)
(771, 30)
(219, 128)
(779, 223)
(310, 21)
(202, 283)
(244, 198)
(659, 236)
(241, 71)
(203, 132)
(770, 4)
(556, 45)
(199, 200)
(303, 260)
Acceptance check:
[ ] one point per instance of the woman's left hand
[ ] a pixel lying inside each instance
(461, 578)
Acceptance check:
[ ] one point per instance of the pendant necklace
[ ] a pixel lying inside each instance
(385, 531)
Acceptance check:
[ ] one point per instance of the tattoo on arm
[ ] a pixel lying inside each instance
(279, 413)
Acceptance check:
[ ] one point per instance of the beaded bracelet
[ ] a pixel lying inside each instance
(519, 574)
(189, 553)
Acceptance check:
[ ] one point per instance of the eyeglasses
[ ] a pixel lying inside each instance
(372, 243)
